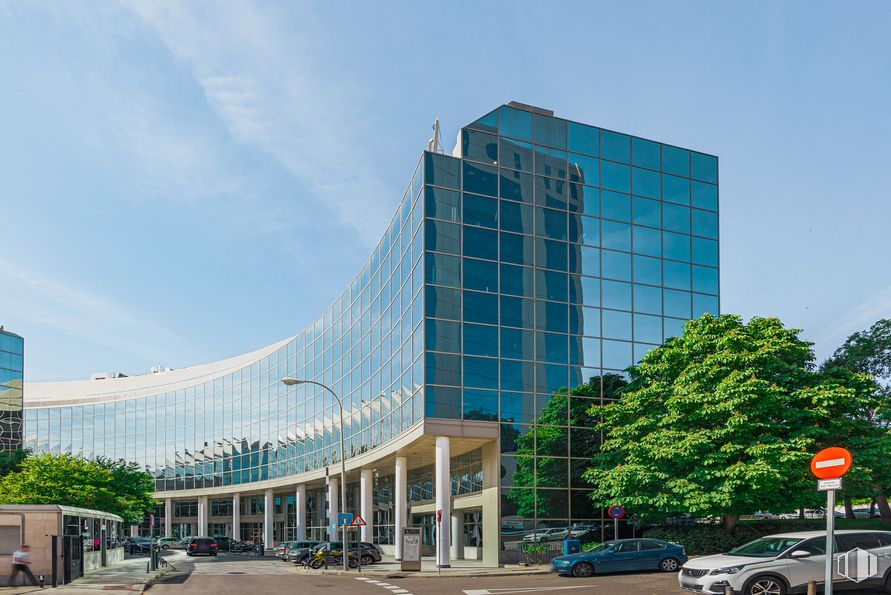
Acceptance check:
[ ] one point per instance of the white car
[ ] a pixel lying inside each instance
(784, 563)
(552, 534)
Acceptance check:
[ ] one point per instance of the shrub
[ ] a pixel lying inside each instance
(702, 539)
(535, 552)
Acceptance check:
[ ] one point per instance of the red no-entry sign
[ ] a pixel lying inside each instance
(831, 463)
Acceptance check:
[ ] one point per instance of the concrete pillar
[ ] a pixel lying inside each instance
(366, 491)
(134, 531)
(457, 535)
(168, 517)
(236, 516)
(442, 477)
(401, 497)
(202, 516)
(300, 509)
(268, 510)
(333, 508)
(491, 504)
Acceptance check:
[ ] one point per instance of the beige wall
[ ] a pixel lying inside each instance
(39, 526)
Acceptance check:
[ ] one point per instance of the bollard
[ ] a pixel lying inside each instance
(147, 568)
(812, 588)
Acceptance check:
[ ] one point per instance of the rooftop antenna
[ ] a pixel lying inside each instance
(434, 145)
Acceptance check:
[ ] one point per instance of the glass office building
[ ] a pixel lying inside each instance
(517, 280)
(12, 350)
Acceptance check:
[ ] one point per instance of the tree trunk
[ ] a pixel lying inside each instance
(801, 513)
(849, 508)
(729, 521)
(884, 509)
(872, 508)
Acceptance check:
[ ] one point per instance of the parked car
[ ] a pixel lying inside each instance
(202, 545)
(785, 563)
(282, 550)
(622, 555)
(551, 534)
(242, 546)
(299, 551)
(184, 542)
(167, 543)
(368, 553)
(224, 543)
(580, 530)
(139, 545)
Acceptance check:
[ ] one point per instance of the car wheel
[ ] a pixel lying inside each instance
(583, 569)
(669, 565)
(165, 546)
(367, 560)
(765, 585)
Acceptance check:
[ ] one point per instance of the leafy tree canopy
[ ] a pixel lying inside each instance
(11, 460)
(117, 487)
(867, 352)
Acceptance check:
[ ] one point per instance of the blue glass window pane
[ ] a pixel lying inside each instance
(615, 205)
(442, 170)
(705, 252)
(480, 275)
(704, 304)
(517, 249)
(616, 354)
(616, 236)
(443, 302)
(677, 275)
(517, 186)
(551, 316)
(480, 243)
(575, 289)
(443, 335)
(591, 322)
(583, 139)
(549, 378)
(704, 167)
(548, 130)
(515, 123)
(647, 270)
(676, 189)
(551, 285)
(480, 179)
(517, 376)
(590, 291)
(481, 404)
(615, 146)
(576, 322)
(677, 303)
(617, 265)
(442, 204)
(550, 223)
(440, 236)
(616, 295)
(550, 162)
(705, 223)
(480, 340)
(647, 212)
(481, 372)
(519, 312)
(590, 231)
(552, 347)
(517, 343)
(550, 192)
(590, 261)
(516, 280)
(479, 210)
(489, 122)
(442, 269)
(676, 246)
(515, 154)
(647, 299)
(676, 161)
(480, 307)
(705, 196)
(614, 176)
(647, 328)
(442, 402)
(574, 234)
(705, 279)
(640, 350)
(584, 169)
(676, 218)
(479, 146)
(646, 183)
(616, 325)
(590, 355)
(673, 327)
(584, 199)
(516, 217)
(646, 153)
(550, 254)
(442, 369)
(647, 241)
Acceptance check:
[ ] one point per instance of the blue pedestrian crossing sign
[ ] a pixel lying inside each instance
(344, 518)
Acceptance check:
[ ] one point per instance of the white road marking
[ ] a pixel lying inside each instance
(519, 590)
(391, 588)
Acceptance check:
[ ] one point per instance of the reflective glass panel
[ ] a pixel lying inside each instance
(515, 155)
(583, 139)
(614, 176)
(705, 252)
(616, 295)
(516, 186)
(705, 196)
(584, 169)
(647, 270)
(705, 223)
(480, 179)
(479, 210)
(480, 275)
(480, 242)
(677, 275)
(614, 205)
(547, 130)
(480, 307)
(676, 218)
(704, 167)
(516, 248)
(647, 212)
(615, 146)
(617, 265)
(479, 146)
(646, 183)
(676, 161)
(676, 246)
(647, 241)
(515, 123)
(705, 279)
(675, 189)
(616, 236)
(646, 153)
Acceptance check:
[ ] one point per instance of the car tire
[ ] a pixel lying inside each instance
(669, 565)
(165, 546)
(765, 585)
(367, 560)
(583, 570)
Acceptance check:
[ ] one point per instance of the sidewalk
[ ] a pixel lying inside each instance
(389, 567)
(129, 575)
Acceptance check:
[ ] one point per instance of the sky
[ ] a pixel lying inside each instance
(186, 181)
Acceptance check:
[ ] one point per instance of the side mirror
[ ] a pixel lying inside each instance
(800, 554)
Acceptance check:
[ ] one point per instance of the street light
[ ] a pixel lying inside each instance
(296, 382)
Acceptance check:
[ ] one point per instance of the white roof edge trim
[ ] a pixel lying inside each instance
(47, 394)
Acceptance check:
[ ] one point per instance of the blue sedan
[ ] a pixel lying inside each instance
(622, 555)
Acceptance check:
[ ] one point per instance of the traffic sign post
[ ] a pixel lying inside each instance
(616, 512)
(829, 465)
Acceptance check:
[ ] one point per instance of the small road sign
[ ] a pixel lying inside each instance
(831, 463)
(344, 518)
(616, 512)
(358, 521)
(824, 485)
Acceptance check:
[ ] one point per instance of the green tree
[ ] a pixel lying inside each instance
(867, 352)
(69, 480)
(11, 460)
(722, 421)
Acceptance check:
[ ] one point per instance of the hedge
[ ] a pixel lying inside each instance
(702, 539)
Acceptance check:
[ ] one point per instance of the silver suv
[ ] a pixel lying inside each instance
(784, 563)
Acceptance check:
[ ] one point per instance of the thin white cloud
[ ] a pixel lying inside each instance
(858, 319)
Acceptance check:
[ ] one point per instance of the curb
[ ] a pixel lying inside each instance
(433, 574)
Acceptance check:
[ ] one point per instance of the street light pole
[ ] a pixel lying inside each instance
(345, 548)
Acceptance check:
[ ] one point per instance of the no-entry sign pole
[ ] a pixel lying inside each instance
(616, 512)
(829, 465)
